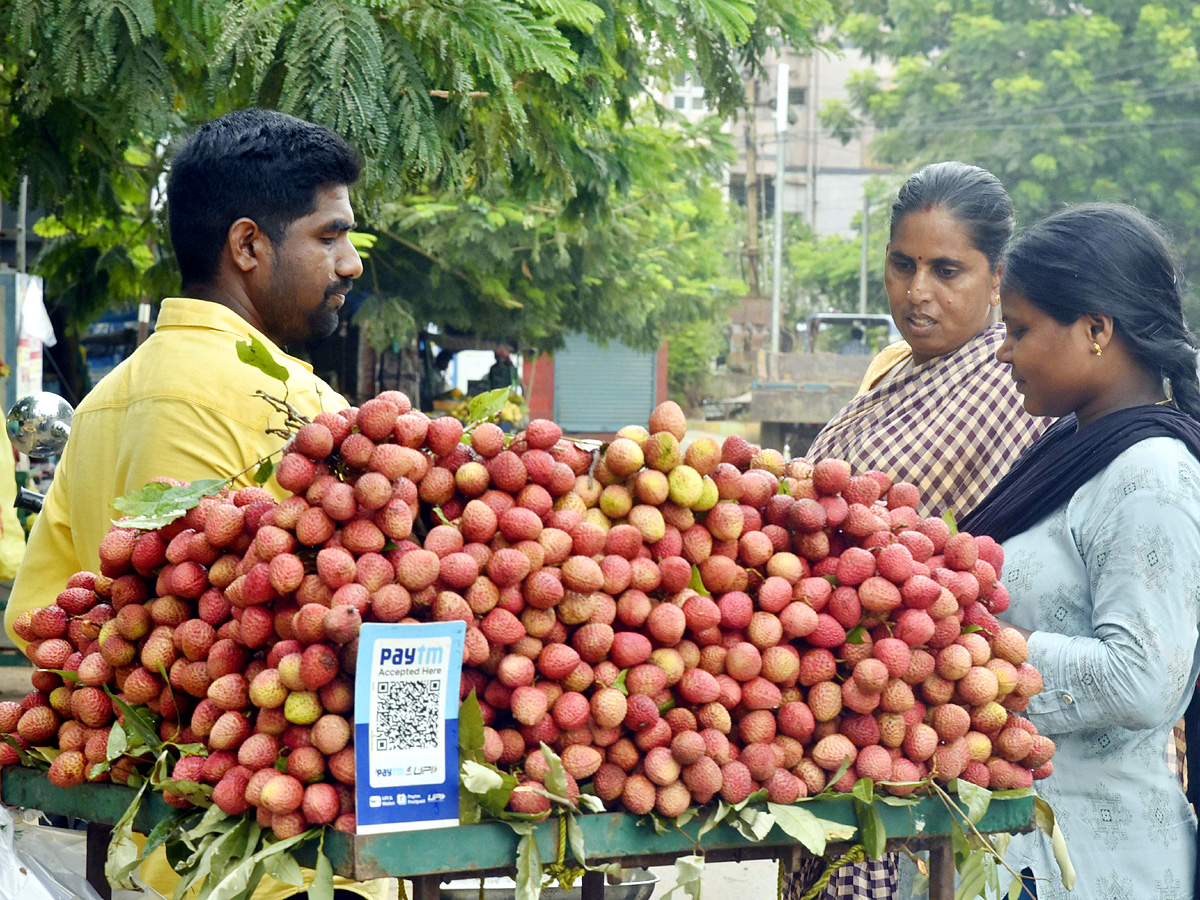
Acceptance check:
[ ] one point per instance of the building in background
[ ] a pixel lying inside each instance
(824, 178)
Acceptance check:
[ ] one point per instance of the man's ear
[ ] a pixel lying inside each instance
(246, 243)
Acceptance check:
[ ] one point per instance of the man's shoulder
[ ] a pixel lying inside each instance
(202, 366)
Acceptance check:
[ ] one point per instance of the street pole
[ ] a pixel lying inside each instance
(22, 212)
(781, 122)
(862, 264)
(753, 263)
(810, 100)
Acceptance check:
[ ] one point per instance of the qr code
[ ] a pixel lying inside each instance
(408, 715)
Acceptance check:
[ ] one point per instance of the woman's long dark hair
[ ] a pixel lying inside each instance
(1110, 259)
(972, 195)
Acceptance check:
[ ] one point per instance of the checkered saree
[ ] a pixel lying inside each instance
(952, 426)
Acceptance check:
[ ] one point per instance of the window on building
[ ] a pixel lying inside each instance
(686, 94)
(796, 96)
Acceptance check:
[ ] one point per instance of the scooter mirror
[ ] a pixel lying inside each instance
(39, 425)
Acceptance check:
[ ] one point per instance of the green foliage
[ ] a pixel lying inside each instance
(521, 180)
(646, 264)
(822, 273)
(690, 353)
(1100, 104)
(159, 503)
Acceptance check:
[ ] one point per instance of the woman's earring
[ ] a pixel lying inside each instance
(1097, 349)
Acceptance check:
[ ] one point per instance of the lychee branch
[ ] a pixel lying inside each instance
(295, 420)
(987, 845)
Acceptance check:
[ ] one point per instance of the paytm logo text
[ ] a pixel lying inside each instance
(410, 656)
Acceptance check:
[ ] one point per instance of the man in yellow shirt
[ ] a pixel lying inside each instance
(260, 218)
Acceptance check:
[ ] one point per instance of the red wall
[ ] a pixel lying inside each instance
(539, 384)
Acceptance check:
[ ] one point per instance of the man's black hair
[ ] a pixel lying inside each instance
(254, 163)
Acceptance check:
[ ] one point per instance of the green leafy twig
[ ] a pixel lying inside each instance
(969, 819)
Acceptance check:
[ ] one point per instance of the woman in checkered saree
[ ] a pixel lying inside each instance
(936, 409)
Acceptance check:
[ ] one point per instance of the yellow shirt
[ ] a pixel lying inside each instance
(182, 405)
(12, 535)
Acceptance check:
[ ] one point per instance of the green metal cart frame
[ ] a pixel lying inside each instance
(429, 857)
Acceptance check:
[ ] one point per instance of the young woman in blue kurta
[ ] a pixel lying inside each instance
(1100, 525)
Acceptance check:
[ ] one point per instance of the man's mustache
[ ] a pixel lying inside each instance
(342, 287)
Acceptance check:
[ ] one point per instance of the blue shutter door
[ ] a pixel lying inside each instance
(602, 389)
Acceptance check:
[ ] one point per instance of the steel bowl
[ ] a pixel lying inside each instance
(39, 425)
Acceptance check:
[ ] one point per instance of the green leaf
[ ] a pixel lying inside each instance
(804, 822)
(715, 818)
(951, 523)
(158, 835)
(556, 775)
(470, 728)
(697, 583)
(200, 794)
(976, 798)
(244, 874)
(784, 488)
(832, 579)
(283, 867)
(1058, 843)
(64, 674)
(972, 877)
(529, 868)
(1015, 886)
(45, 754)
(575, 840)
(688, 872)
(590, 803)
(159, 504)
(322, 883)
(801, 825)
(870, 824)
(1013, 794)
(758, 796)
(135, 720)
(121, 849)
(619, 684)
(856, 635)
(841, 770)
(897, 801)
(441, 516)
(753, 824)
(255, 353)
(864, 790)
(264, 472)
(118, 743)
(479, 779)
(485, 407)
(26, 760)
(971, 629)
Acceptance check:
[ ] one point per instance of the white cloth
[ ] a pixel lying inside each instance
(32, 319)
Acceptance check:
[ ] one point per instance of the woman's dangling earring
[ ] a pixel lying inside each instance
(1096, 348)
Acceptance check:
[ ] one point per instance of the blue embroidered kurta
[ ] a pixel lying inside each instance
(1110, 583)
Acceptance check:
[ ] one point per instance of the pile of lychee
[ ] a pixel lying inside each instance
(677, 624)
